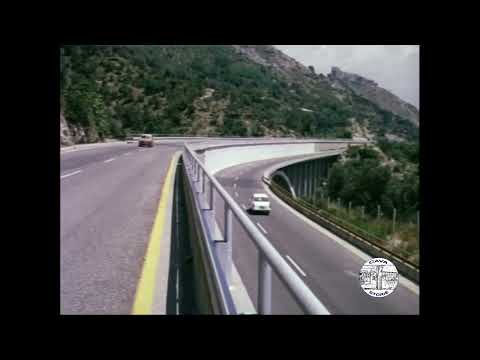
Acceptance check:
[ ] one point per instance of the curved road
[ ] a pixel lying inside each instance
(109, 197)
(328, 265)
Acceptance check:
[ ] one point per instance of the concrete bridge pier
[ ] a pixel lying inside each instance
(304, 178)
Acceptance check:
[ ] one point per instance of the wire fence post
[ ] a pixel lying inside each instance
(418, 227)
(328, 202)
(349, 207)
(394, 218)
(378, 212)
(363, 211)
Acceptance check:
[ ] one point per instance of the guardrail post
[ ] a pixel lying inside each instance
(197, 178)
(203, 182)
(264, 286)
(212, 189)
(228, 238)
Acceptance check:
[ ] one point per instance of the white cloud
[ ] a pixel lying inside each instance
(393, 67)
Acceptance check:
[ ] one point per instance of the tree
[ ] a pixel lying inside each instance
(78, 101)
(336, 180)
(100, 116)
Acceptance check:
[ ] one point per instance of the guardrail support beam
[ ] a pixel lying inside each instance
(211, 199)
(228, 238)
(264, 286)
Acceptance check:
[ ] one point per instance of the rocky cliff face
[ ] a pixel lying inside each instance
(269, 56)
(71, 134)
(339, 80)
(371, 91)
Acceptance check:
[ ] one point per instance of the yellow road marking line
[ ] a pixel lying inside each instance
(145, 290)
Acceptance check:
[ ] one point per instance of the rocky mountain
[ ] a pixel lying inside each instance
(246, 90)
(274, 59)
(71, 134)
(371, 91)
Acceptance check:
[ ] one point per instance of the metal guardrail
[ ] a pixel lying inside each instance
(269, 258)
(249, 137)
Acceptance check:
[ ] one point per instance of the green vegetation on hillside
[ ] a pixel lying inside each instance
(112, 90)
(364, 180)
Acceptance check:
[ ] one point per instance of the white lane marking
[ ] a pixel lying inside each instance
(73, 173)
(351, 273)
(126, 154)
(234, 186)
(403, 280)
(261, 228)
(236, 178)
(295, 264)
(140, 150)
(236, 194)
(244, 207)
(106, 161)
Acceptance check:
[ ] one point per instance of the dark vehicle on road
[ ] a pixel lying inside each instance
(146, 140)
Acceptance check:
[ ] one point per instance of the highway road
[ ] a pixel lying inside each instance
(108, 201)
(328, 265)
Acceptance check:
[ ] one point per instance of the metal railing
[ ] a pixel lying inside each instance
(269, 259)
(217, 136)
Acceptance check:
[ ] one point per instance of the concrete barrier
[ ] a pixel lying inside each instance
(221, 158)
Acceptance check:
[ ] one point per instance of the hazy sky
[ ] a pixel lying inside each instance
(393, 67)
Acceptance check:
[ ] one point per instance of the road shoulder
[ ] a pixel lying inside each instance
(151, 294)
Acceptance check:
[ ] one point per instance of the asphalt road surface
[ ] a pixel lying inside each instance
(329, 269)
(109, 198)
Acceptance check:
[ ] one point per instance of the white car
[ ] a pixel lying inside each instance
(259, 203)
